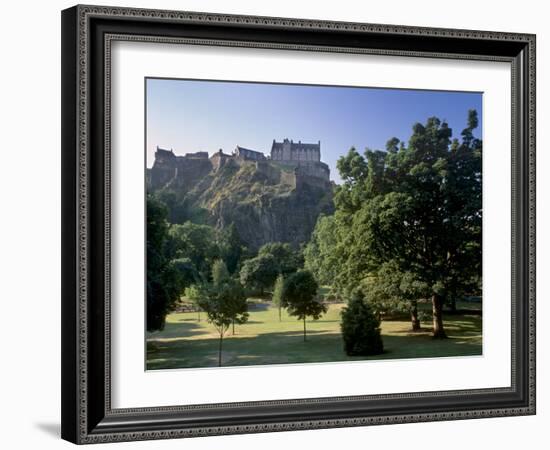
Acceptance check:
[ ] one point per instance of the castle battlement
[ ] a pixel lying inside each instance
(302, 161)
(163, 154)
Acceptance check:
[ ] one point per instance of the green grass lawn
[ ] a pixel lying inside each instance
(185, 342)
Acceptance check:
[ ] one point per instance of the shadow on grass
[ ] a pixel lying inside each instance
(289, 347)
(180, 329)
(203, 321)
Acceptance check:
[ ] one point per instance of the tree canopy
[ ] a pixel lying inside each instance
(320, 255)
(219, 272)
(259, 272)
(286, 258)
(224, 304)
(195, 242)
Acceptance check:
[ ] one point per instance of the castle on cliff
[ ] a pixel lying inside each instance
(292, 163)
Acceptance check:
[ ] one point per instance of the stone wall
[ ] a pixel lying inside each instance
(220, 159)
(178, 172)
(288, 179)
(318, 170)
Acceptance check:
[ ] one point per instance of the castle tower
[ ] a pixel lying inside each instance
(289, 151)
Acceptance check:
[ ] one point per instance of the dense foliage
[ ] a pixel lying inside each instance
(259, 273)
(219, 272)
(163, 280)
(319, 254)
(391, 291)
(413, 210)
(181, 257)
(195, 294)
(286, 258)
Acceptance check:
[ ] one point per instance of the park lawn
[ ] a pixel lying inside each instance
(185, 342)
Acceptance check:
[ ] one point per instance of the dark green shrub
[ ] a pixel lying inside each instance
(360, 329)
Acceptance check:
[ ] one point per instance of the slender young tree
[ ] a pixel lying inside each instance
(219, 272)
(299, 297)
(225, 304)
(196, 294)
(278, 294)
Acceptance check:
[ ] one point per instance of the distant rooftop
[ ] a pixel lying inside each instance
(246, 149)
(296, 145)
(163, 153)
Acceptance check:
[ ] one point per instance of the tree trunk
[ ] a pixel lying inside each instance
(415, 322)
(220, 351)
(304, 329)
(280, 314)
(199, 311)
(233, 331)
(437, 310)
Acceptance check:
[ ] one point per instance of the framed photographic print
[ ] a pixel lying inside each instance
(278, 224)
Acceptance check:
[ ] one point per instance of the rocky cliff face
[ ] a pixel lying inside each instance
(266, 201)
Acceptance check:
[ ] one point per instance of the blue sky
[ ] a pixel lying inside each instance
(191, 116)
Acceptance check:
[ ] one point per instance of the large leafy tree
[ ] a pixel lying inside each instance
(321, 254)
(391, 291)
(195, 243)
(415, 208)
(286, 258)
(231, 248)
(163, 278)
(187, 271)
(463, 192)
(299, 297)
(259, 273)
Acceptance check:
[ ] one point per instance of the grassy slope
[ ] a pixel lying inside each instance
(185, 342)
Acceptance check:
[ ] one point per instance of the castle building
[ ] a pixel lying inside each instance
(246, 153)
(295, 151)
(302, 164)
(163, 155)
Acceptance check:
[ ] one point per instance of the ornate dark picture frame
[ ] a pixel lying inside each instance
(87, 33)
